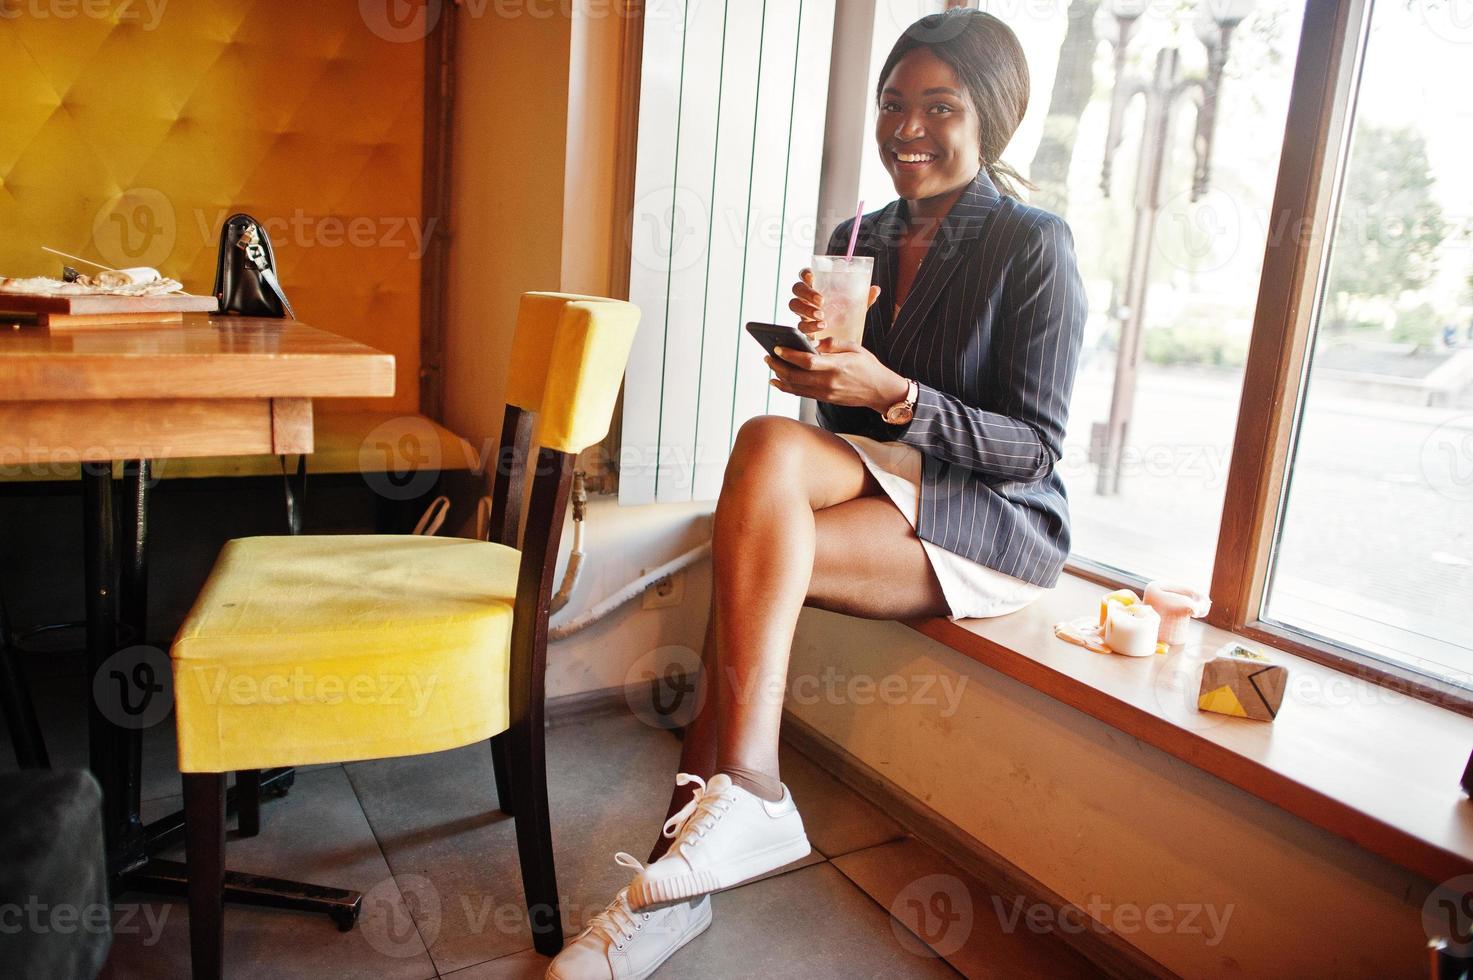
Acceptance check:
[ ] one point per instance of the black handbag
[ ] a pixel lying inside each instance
(245, 271)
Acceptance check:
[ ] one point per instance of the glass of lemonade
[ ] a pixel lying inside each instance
(844, 284)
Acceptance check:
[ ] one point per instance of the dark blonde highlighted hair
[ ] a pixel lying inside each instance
(987, 58)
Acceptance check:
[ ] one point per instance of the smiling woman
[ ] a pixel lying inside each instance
(928, 489)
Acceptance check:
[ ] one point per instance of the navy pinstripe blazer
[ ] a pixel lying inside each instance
(991, 331)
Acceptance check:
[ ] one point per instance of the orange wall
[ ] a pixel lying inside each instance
(511, 120)
(127, 139)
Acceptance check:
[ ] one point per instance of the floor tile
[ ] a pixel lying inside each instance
(610, 780)
(979, 933)
(317, 833)
(812, 923)
(526, 965)
(837, 819)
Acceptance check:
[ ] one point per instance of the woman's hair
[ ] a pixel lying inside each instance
(985, 54)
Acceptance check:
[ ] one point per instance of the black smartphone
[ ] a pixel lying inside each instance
(771, 335)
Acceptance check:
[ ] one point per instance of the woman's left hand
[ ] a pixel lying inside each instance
(841, 373)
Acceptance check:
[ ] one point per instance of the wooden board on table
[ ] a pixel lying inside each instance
(100, 311)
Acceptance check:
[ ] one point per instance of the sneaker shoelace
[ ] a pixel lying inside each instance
(618, 922)
(692, 822)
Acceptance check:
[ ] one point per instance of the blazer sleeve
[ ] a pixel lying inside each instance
(1034, 356)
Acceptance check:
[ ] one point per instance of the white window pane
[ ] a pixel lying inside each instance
(1375, 548)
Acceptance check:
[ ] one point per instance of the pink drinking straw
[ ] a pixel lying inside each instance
(854, 232)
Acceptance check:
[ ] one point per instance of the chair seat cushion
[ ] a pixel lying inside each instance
(334, 648)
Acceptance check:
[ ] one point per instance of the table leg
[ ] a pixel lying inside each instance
(107, 742)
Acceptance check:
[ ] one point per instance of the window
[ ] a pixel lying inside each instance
(732, 101)
(1170, 246)
(1375, 545)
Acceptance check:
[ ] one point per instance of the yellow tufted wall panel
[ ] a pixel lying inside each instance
(129, 129)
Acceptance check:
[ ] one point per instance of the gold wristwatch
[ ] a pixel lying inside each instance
(901, 412)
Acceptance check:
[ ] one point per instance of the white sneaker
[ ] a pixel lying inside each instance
(723, 837)
(622, 944)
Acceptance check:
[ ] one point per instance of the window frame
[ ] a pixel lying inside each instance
(1332, 45)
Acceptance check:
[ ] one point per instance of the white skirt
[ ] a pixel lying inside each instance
(972, 589)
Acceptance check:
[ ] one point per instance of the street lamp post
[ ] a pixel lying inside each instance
(1216, 20)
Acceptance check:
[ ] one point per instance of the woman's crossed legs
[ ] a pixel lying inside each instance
(800, 521)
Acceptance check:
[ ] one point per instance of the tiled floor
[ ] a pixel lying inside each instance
(437, 862)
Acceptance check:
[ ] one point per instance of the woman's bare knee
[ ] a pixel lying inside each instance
(775, 454)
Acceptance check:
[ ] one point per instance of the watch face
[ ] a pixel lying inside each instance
(898, 414)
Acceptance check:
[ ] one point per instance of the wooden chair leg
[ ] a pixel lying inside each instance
(534, 836)
(204, 853)
(499, 761)
(248, 802)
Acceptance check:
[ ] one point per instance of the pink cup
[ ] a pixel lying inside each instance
(1176, 604)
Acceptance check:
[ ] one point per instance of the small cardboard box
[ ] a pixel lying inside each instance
(1242, 682)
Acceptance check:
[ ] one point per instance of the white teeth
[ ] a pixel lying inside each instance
(914, 157)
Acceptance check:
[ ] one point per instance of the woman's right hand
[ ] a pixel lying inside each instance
(807, 302)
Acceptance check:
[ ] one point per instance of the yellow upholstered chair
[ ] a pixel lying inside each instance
(338, 648)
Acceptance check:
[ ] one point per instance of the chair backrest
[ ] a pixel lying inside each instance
(567, 361)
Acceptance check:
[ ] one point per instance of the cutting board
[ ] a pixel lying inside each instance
(85, 312)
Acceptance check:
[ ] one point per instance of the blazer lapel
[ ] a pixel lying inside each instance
(953, 243)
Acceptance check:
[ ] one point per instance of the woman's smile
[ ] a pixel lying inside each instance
(912, 161)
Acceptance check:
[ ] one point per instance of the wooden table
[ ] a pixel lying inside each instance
(214, 386)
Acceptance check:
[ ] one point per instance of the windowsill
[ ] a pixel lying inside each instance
(1369, 764)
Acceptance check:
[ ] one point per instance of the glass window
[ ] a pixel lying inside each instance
(1126, 104)
(1375, 548)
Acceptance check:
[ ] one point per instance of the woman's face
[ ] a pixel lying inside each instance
(927, 129)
